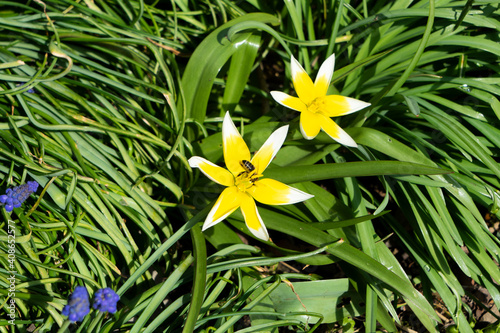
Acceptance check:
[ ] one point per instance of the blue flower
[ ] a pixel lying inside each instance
(13, 198)
(30, 91)
(105, 300)
(78, 304)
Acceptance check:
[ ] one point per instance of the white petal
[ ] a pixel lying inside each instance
(296, 68)
(252, 218)
(336, 132)
(234, 147)
(228, 127)
(302, 83)
(297, 195)
(325, 74)
(280, 97)
(273, 192)
(229, 200)
(288, 101)
(212, 171)
(269, 149)
(356, 105)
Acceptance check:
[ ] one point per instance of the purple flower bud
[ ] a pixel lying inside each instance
(78, 305)
(14, 197)
(105, 300)
(30, 91)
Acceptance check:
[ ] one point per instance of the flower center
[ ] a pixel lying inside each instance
(316, 105)
(246, 179)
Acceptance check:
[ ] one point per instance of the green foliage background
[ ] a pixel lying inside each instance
(126, 91)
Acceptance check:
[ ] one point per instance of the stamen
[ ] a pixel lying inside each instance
(244, 180)
(315, 105)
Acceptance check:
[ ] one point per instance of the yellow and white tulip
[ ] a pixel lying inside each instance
(244, 180)
(315, 106)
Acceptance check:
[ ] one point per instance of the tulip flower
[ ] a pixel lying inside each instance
(244, 181)
(315, 106)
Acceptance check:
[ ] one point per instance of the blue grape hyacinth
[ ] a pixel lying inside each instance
(14, 197)
(105, 300)
(29, 91)
(78, 305)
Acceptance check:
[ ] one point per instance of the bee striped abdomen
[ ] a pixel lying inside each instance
(247, 165)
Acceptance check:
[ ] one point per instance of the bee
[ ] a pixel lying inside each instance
(247, 165)
(249, 168)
